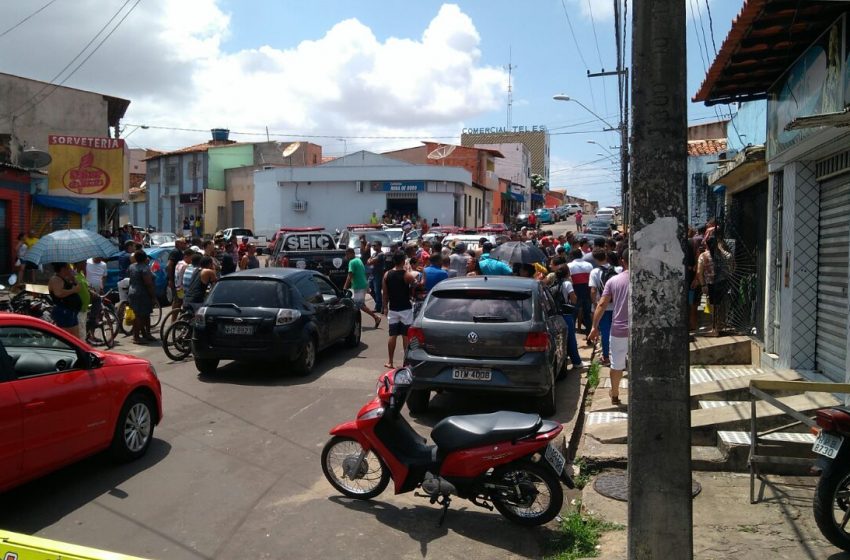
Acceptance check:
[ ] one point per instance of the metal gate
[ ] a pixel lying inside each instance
(833, 271)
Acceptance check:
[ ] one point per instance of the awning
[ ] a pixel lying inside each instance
(518, 197)
(76, 205)
(537, 197)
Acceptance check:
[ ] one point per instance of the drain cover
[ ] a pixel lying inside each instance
(616, 486)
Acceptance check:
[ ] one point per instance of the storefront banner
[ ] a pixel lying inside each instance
(87, 167)
(398, 186)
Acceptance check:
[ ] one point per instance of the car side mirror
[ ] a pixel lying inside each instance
(348, 294)
(94, 361)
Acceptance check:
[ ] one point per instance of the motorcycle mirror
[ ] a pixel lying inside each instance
(13, 279)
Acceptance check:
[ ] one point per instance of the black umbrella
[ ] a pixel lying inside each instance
(514, 252)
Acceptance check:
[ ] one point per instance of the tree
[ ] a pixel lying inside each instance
(538, 183)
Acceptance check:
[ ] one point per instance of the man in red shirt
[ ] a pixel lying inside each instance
(532, 220)
(242, 249)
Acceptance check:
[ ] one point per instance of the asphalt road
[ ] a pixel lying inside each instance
(234, 472)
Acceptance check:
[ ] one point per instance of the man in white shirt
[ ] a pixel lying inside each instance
(95, 273)
(598, 278)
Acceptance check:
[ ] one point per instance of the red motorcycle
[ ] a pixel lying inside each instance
(506, 459)
(832, 496)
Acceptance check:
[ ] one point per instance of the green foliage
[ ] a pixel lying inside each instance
(582, 473)
(578, 535)
(593, 374)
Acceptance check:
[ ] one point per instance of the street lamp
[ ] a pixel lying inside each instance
(562, 97)
(344, 146)
(601, 146)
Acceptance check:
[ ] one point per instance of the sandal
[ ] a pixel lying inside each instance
(377, 322)
(389, 366)
(614, 400)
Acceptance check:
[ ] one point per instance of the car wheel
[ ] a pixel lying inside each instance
(562, 372)
(206, 366)
(353, 339)
(134, 429)
(306, 360)
(545, 405)
(417, 400)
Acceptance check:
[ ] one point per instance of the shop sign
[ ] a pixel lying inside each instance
(519, 129)
(398, 186)
(192, 198)
(814, 85)
(87, 167)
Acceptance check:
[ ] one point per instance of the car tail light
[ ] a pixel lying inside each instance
(287, 316)
(284, 261)
(200, 317)
(537, 342)
(415, 333)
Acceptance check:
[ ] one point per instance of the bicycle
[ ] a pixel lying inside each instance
(104, 321)
(171, 317)
(177, 340)
(127, 329)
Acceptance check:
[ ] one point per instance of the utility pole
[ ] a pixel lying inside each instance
(660, 501)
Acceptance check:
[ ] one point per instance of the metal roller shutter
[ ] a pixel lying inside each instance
(833, 272)
(57, 219)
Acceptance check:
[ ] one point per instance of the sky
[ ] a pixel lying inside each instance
(353, 74)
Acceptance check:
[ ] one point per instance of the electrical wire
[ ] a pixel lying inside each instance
(598, 52)
(23, 21)
(711, 26)
(29, 105)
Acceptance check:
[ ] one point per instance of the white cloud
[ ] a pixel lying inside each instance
(601, 11)
(168, 59)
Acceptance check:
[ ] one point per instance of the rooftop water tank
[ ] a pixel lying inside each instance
(220, 134)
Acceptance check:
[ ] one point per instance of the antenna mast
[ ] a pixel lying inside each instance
(510, 67)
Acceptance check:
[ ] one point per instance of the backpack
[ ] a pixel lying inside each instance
(606, 274)
(561, 304)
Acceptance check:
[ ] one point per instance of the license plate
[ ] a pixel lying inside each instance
(238, 329)
(827, 445)
(471, 374)
(555, 458)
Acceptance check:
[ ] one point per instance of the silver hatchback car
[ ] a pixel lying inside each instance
(488, 334)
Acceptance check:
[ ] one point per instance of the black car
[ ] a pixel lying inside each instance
(488, 334)
(270, 315)
(598, 227)
(521, 220)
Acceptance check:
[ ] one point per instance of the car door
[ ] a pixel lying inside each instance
(555, 325)
(65, 406)
(315, 304)
(340, 314)
(11, 426)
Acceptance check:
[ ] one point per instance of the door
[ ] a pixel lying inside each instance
(340, 313)
(11, 433)
(65, 408)
(833, 270)
(237, 213)
(314, 302)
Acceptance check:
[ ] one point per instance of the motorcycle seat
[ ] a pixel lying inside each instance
(474, 430)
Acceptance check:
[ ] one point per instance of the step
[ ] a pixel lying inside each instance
(736, 447)
(733, 382)
(616, 455)
(718, 404)
(724, 350)
(705, 423)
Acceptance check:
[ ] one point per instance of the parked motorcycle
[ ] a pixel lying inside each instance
(832, 496)
(506, 459)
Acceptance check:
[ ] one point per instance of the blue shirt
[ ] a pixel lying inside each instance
(434, 275)
(123, 264)
(493, 267)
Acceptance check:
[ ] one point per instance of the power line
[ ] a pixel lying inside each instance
(9, 30)
(711, 26)
(573, 34)
(32, 105)
(598, 52)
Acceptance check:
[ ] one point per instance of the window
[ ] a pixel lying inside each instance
(33, 352)
(170, 174)
(153, 171)
(328, 290)
(479, 306)
(194, 169)
(308, 289)
(249, 292)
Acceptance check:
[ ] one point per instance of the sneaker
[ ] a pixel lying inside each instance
(580, 365)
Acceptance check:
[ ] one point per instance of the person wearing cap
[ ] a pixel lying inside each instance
(490, 266)
(459, 260)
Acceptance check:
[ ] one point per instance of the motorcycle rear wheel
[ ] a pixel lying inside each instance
(370, 479)
(541, 496)
(832, 498)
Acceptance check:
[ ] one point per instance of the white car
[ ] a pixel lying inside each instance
(606, 214)
(572, 209)
(472, 241)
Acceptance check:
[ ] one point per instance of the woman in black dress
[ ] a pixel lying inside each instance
(142, 297)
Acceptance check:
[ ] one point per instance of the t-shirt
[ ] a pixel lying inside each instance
(618, 289)
(596, 278)
(85, 296)
(567, 290)
(95, 273)
(188, 272)
(379, 265)
(434, 275)
(459, 263)
(358, 274)
(179, 270)
(493, 267)
(580, 271)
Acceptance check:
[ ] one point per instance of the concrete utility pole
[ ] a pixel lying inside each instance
(660, 507)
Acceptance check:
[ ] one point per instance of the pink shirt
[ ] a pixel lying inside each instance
(617, 288)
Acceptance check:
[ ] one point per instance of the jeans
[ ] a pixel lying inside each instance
(572, 343)
(605, 333)
(583, 307)
(377, 280)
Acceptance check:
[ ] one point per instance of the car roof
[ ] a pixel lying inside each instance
(276, 273)
(504, 283)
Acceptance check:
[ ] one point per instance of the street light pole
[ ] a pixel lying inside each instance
(659, 436)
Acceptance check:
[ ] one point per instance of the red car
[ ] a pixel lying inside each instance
(62, 400)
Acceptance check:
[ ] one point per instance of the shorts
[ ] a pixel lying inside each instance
(64, 318)
(399, 321)
(359, 298)
(619, 351)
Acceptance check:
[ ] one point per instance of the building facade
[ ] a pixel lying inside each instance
(349, 189)
(536, 140)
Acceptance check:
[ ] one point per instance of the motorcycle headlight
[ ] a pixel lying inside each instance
(403, 378)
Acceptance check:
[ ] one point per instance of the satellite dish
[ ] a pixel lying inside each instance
(33, 158)
(442, 151)
(291, 149)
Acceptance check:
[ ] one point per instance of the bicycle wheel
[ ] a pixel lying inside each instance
(123, 327)
(107, 329)
(177, 342)
(168, 318)
(156, 315)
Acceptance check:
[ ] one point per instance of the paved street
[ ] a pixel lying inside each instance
(234, 472)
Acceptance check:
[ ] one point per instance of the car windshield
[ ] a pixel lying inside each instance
(160, 238)
(479, 306)
(239, 232)
(371, 237)
(249, 292)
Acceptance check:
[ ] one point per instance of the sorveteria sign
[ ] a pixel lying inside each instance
(505, 129)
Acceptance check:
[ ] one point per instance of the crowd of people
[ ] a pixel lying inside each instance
(710, 265)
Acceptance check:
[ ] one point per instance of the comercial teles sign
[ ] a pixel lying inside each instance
(398, 186)
(83, 166)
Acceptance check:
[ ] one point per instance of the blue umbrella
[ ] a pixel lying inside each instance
(70, 246)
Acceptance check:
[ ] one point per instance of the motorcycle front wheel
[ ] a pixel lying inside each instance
(832, 502)
(527, 493)
(361, 479)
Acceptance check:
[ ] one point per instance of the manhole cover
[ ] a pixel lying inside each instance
(616, 486)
